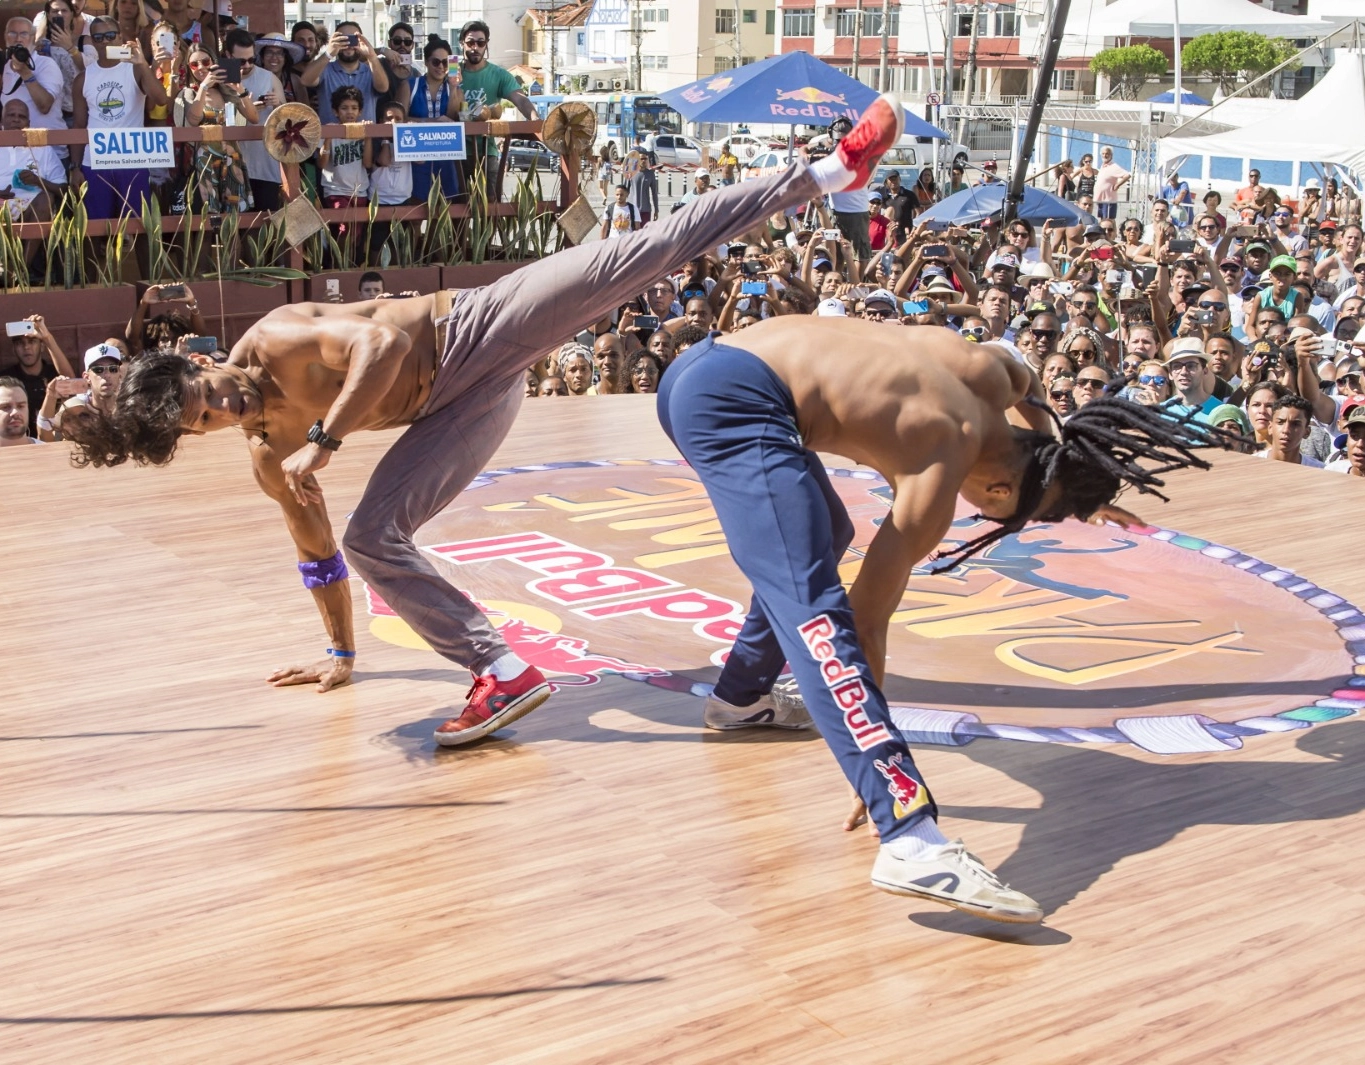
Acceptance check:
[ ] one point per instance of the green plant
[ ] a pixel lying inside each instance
(65, 243)
(158, 257)
(1128, 68)
(117, 248)
(13, 260)
(1234, 55)
(479, 228)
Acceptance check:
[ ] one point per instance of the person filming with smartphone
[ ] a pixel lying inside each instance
(35, 359)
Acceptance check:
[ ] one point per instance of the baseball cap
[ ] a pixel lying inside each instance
(1187, 348)
(1352, 413)
(102, 351)
(1095, 232)
(701, 172)
(875, 196)
(1328, 224)
(1003, 258)
(880, 295)
(832, 308)
(1290, 263)
(820, 260)
(1229, 260)
(1257, 245)
(1196, 290)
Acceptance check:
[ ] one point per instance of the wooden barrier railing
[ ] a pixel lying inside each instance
(99, 227)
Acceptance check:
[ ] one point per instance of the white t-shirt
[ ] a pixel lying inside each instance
(1304, 460)
(43, 161)
(260, 166)
(49, 76)
(621, 219)
(391, 185)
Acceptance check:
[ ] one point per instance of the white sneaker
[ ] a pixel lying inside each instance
(948, 874)
(783, 707)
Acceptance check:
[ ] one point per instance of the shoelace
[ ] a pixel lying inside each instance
(482, 686)
(972, 862)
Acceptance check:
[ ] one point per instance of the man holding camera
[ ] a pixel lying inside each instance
(35, 79)
(348, 59)
(37, 360)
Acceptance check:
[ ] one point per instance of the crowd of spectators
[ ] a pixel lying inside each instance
(1250, 318)
(177, 65)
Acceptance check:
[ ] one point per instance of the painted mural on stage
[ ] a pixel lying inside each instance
(1064, 633)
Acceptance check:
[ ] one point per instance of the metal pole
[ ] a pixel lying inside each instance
(971, 69)
(1035, 115)
(949, 34)
(857, 36)
(739, 44)
(882, 72)
(551, 87)
(1179, 92)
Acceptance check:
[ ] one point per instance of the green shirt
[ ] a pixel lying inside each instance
(484, 88)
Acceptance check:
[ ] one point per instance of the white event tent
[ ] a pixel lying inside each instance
(1159, 18)
(1326, 126)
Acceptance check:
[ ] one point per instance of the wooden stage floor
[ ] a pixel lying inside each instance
(198, 868)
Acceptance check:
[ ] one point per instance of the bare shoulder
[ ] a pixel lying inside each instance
(997, 376)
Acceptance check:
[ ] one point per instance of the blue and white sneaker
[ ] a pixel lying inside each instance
(947, 873)
(783, 707)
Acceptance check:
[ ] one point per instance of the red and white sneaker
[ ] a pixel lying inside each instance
(877, 131)
(492, 704)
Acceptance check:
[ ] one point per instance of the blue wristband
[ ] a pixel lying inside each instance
(340, 654)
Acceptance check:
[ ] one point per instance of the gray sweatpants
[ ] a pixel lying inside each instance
(494, 335)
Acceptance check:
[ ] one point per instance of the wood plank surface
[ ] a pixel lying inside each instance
(195, 867)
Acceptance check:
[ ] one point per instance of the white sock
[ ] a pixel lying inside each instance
(921, 838)
(508, 667)
(831, 174)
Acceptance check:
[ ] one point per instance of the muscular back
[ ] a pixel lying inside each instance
(890, 398)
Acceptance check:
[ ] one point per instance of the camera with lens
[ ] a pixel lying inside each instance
(19, 52)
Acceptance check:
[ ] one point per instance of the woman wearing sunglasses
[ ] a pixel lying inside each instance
(1085, 346)
(436, 97)
(216, 181)
(1151, 387)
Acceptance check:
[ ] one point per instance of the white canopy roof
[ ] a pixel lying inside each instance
(1326, 126)
(1156, 18)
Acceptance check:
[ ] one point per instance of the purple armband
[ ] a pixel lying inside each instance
(327, 571)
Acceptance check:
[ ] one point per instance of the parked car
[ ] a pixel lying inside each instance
(524, 154)
(768, 162)
(744, 145)
(673, 149)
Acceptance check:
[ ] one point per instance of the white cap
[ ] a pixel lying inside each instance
(102, 351)
(701, 171)
(832, 308)
(881, 295)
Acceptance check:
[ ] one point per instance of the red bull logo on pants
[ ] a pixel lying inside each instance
(843, 682)
(905, 790)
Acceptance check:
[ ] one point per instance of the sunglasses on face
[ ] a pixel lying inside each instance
(1208, 225)
(105, 38)
(978, 331)
(475, 42)
(102, 370)
(1152, 379)
(1085, 306)
(1064, 393)
(1043, 334)
(206, 65)
(1211, 305)
(401, 42)
(1078, 352)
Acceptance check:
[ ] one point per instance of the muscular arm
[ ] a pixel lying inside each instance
(311, 531)
(920, 516)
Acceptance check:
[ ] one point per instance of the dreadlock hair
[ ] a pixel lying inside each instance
(1095, 457)
(145, 426)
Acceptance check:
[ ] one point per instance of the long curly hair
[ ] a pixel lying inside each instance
(1096, 456)
(145, 425)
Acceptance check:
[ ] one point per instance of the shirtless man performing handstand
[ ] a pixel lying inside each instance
(936, 416)
(308, 375)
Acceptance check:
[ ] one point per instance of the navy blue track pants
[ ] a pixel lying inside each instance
(735, 423)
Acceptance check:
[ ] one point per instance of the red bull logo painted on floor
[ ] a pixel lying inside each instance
(1070, 633)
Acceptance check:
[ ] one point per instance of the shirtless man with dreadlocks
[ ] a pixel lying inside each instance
(936, 416)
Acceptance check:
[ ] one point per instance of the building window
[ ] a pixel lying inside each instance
(725, 20)
(648, 14)
(846, 19)
(661, 62)
(1006, 24)
(663, 15)
(724, 63)
(872, 23)
(750, 16)
(1064, 80)
(599, 42)
(770, 22)
(798, 23)
(582, 40)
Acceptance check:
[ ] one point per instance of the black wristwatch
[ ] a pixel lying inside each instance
(317, 436)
